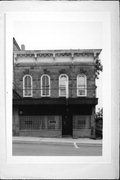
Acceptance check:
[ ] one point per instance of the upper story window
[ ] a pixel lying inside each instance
(27, 86)
(45, 85)
(81, 85)
(63, 85)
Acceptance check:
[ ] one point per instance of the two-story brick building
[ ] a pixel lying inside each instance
(54, 92)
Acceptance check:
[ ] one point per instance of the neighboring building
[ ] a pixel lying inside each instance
(99, 123)
(99, 128)
(54, 92)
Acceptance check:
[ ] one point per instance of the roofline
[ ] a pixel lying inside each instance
(15, 42)
(98, 51)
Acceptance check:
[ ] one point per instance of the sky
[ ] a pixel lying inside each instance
(58, 35)
(38, 35)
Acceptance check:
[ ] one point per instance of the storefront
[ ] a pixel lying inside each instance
(54, 117)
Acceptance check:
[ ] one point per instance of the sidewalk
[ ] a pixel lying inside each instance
(25, 139)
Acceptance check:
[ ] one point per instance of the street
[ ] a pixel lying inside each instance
(56, 149)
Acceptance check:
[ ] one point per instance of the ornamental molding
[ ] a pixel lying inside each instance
(56, 53)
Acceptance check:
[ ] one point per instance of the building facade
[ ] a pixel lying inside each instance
(54, 92)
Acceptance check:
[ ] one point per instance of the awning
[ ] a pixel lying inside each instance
(56, 101)
(83, 101)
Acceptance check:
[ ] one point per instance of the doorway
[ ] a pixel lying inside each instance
(67, 125)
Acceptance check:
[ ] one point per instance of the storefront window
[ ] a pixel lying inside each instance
(39, 122)
(80, 122)
(30, 122)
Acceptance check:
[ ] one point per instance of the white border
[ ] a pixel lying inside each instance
(64, 167)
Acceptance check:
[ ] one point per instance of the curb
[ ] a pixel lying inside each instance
(53, 142)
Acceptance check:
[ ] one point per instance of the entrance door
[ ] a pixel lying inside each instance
(67, 125)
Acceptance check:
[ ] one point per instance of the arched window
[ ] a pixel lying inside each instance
(45, 85)
(27, 86)
(81, 85)
(63, 85)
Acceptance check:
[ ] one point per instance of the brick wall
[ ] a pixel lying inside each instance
(54, 70)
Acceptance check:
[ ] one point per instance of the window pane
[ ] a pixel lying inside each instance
(45, 81)
(63, 85)
(81, 81)
(27, 86)
(47, 91)
(81, 91)
(63, 80)
(30, 122)
(79, 122)
(27, 81)
(45, 86)
(27, 92)
(62, 91)
(81, 85)
(53, 122)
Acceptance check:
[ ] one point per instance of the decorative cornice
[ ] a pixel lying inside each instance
(96, 54)
(54, 56)
(35, 56)
(72, 55)
(60, 52)
(57, 53)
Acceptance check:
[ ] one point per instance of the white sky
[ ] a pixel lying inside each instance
(58, 35)
(37, 35)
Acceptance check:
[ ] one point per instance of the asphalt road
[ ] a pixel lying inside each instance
(56, 149)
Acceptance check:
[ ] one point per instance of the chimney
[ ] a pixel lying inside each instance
(22, 47)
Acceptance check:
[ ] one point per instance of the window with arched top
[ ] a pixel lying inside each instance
(63, 85)
(27, 86)
(81, 85)
(45, 85)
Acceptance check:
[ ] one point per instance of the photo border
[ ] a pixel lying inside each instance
(110, 71)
